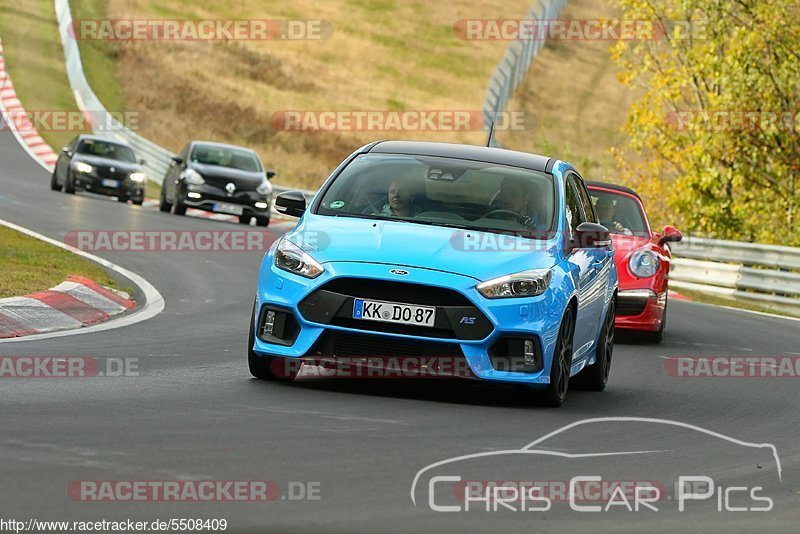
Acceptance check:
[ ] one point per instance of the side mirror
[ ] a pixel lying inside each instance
(271, 174)
(592, 235)
(291, 203)
(670, 234)
(142, 162)
(176, 160)
(66, 150)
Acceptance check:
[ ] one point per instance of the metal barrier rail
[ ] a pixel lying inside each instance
(511, 70)
(751, 272)
(158, 159)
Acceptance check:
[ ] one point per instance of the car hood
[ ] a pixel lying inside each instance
(479, 255)
(221, 176)
(624, 244)
(107, 163)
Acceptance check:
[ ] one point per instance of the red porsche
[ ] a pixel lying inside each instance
(642, 257)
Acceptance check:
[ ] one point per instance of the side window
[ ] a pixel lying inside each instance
(575, 213)
(586, 200)
(73, 144)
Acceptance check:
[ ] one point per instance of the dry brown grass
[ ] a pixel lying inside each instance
(577, 104)
(382, 55)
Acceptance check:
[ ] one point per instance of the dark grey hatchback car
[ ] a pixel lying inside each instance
(218, 178)
(100, 166)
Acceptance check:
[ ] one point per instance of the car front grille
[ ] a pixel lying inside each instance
(456, 316)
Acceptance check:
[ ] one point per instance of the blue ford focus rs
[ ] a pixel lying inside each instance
(486, 256)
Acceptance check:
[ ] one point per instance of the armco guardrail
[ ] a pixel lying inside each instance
(767, 275)
(158, 158)
(511, 70)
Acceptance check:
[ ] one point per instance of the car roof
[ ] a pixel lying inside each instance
(615, 187)
(500, 156)
(93, 137)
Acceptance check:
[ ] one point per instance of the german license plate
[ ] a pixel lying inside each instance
(110, 183)
(394, 312)
(233, 209)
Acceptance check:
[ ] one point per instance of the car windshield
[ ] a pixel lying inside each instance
(443, 192)
(620, 213)
(221, 156)
(104, 149)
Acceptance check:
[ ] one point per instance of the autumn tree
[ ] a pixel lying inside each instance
(717, 130)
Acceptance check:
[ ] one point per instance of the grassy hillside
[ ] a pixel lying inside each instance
(382, 55)
(577, 103)
(35, 60)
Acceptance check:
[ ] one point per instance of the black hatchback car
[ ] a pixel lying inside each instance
(100, 166)
(219, 178)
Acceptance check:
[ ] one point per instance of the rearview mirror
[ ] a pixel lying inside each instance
(292, 203)
(670, 234)
(177, 160)
(142, 162)
(66, 150)
(592, 235)
(271, 174)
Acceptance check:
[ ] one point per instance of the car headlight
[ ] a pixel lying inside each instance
(644, 263)
(293, 259)
(193, 177)
(523, 284)
(138, 177)
(80, 166)
(265, 188)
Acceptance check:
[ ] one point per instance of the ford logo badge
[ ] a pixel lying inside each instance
(399, 272)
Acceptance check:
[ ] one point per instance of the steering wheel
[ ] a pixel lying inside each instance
(501, 211)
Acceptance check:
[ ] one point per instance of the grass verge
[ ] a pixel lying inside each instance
(696, 296)
(35, 62)
(30, 265)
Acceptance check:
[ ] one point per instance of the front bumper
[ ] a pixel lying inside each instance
(506, 322)
(94, 184)
(206, 196)
(640, 309)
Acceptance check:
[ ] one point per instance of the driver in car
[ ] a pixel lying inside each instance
(515, 196)
(401, 200)
(606, 211)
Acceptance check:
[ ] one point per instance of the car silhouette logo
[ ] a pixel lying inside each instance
(399, 272)
(230, 188)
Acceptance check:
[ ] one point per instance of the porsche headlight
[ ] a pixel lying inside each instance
(192, 177)
(80, 166)
(644, 263)
(293, 259)
(138, 177)
(523, 284)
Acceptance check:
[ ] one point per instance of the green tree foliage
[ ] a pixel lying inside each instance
(717, 130)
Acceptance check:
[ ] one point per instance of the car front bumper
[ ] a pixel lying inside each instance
(640, 309)
(536, 319)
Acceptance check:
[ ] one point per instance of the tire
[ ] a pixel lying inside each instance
(54, 182)
(244, 219)
(262, 221)
(658, 335)
(69, 186)
(595, 377)
(123, 200)
(265, 367)
(163, 205)
(138, 202)
(178, 207)
(556, 391)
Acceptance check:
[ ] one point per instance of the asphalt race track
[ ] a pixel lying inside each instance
(194, 412)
